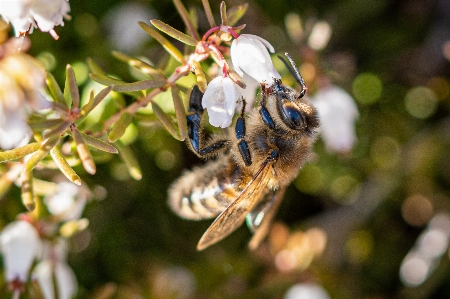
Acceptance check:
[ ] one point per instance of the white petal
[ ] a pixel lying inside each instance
(20, 244)
(65, 279)
(264, 42)
(218, 116)
(211, 91)
(234, 54)
(231, 95)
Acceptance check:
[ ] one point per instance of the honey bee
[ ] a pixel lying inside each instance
(258, 159)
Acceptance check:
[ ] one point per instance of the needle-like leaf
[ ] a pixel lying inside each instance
(180, 112)
(166, 121)
(19, 152)
(93, 102)
(186, 19)
(71, 93)
(54, 89)
(132, 164)
(64, 166)
(84, 153)
(94, 67)
(41, 153)
(99, 144)
(120, 127)
(139, 64)
(168, 46)
(223, 13)
(122, 86)
(27, 190)
(235, 13)
(209, 14)
(176, 34)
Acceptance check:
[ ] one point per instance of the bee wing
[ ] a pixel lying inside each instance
(234, 215)
(260, 218)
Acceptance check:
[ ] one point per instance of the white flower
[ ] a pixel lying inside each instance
(65, 279)
(220, 100)
(20, 244)
(26, 14)
(68, 202)
(22, 81)
(249, 54)
(338, 113)
(306, 291)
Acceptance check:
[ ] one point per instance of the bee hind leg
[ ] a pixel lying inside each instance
(194, 124)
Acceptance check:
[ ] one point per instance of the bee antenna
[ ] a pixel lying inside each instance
(295, 72)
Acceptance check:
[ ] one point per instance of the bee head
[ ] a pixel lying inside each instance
(294, 110)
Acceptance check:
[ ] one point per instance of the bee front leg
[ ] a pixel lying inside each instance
(240, 136)
(265, 115)
(194, 124)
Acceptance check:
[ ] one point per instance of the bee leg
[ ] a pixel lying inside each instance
(240, 135)
(194, 124)
(265, 115)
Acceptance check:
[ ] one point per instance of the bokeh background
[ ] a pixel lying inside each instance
(371, 222)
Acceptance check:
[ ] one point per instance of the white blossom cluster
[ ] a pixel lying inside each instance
(27, 241)
(24, 15)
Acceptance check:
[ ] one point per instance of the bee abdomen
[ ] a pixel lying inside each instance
(197, 195)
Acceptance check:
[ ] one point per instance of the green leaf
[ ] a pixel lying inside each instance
(223, 13)
(235, 13)
(99, 144)
(169, 30)
(54, 89)
(168, 46)
(41, 153)
(122, 86)
(83, 152)
(180, 112)
(209, 14)
(94, 67)
(58, 130)
(139, 64)
(71, 93)
(186, 19)
(166, 121)
(93, 102)
(39, 123)
(19, 152)
(27, 190)
(130, 161)
(64, 166)
(120, 126)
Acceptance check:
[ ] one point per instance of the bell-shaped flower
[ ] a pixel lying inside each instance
(19, 244)
(220, 100)
(338, 113)
(66, 282)
(249, 55)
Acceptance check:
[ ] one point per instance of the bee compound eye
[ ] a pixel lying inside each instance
(292, 116)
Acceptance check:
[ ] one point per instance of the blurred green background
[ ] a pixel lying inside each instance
(370, 205)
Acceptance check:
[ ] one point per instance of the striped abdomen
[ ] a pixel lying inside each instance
(206, 191)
